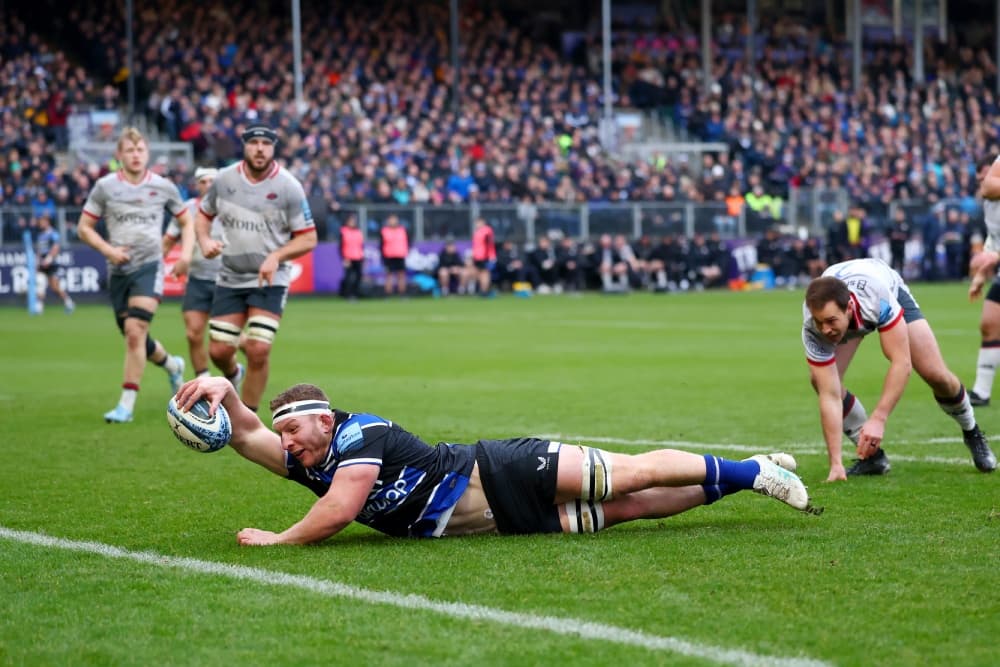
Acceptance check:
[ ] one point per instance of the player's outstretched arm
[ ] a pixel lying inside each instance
(251, 438)
(331, 513)
(826, 381)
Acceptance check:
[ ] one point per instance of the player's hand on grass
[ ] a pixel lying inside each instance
(837, 473)
(254, 537)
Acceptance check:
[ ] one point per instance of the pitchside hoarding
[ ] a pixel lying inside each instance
(83, 270)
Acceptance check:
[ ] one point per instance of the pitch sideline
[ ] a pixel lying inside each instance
(554, 624)
(703, 447)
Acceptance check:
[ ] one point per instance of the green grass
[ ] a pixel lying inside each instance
(898, 571)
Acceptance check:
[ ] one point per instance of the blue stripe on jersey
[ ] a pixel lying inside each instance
(443, 498)
(884, 311)
(306, 211)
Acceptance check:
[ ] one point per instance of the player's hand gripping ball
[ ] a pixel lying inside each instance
(197, 429)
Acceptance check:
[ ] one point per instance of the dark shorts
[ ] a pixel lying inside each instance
(519, 479)
(482, 265)
(994, 293)
(49, 270)
(147, 280)
(198, 295)
(911, 309)
(394, 264)
(229, 300)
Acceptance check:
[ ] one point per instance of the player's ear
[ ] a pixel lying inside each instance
(326, 420)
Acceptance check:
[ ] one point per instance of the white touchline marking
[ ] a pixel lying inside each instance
(706, 447)
(555, 624)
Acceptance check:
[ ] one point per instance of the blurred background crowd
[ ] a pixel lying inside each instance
(892, 161)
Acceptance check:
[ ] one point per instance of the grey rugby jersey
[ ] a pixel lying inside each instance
(256, 219)
(133, 214)
(201, 268)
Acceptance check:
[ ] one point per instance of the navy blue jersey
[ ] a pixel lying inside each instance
(417, 486)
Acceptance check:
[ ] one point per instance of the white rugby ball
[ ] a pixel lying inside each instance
(197, 429)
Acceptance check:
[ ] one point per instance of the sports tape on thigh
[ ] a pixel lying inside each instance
(224, 332)
(584, 517)
(595, 475)
(262, 328)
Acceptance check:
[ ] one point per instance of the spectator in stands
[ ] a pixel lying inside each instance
(569, 265)
(451, 270)
(899, 235)
(511, 267)
(545, 267)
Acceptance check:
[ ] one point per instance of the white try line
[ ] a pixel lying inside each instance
(707, 447)
(554, 624)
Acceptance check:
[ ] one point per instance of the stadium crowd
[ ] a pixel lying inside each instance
(378, 124)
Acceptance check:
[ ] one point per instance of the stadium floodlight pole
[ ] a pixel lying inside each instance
(751, 51)
(607, 122)
(942, 21)
(918, 41)
(897, 18)
(130, 61)
(706, 45)
(854, 27)
(297, 55)
(456, 102)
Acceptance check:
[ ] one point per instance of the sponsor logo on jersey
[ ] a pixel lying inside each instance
(272, 195)
(349, 438)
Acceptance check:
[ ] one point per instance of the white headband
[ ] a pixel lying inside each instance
(298, 408)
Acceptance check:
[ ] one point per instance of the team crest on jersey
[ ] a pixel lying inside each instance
(272, 195)
(349, 438)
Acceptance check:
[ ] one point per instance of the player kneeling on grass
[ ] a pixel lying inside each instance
(368, 469)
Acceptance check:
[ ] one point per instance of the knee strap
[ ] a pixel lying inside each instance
(139, 314)
(584, 517)
(224, 332)
(262, 328)
(595, 476)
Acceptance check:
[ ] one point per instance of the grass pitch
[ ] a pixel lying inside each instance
(899, 570)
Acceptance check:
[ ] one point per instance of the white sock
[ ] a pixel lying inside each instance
(986, 369)
(205, 374)
(961, 411)
(661, 279)
(170, 365)
(855, 417)
(128, 398)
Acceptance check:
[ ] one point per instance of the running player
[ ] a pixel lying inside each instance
(47, 249)
(984, 269)
(266, 222)
(200, 286)
(131, 202)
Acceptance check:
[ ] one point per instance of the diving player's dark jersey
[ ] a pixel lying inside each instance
(417, 486)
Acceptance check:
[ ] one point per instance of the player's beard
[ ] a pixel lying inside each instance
(258, 174)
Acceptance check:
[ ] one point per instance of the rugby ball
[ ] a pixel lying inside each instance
(197, 429)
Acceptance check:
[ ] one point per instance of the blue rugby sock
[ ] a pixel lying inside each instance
(739, 474)
(715, 492)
